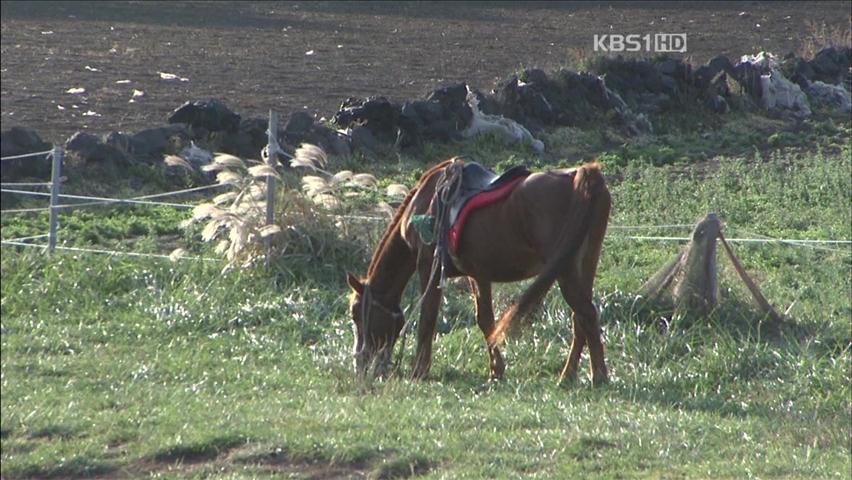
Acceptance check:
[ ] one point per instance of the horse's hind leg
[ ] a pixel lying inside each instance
(485, 320)
(572, 363)
(576, 286)
(429, 307)
(586, 329)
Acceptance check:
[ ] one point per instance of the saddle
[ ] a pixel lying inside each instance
(474, 187)
(463, 188)
(477, 179)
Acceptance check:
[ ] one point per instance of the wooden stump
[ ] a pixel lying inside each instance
(690, 280)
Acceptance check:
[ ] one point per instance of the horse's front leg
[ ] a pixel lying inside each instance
(429, 307)
(485, 320)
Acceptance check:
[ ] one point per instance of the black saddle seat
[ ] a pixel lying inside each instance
(477, 179)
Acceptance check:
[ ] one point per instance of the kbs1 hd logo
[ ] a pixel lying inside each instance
(656, 43)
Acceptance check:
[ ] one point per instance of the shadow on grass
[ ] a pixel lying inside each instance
(704, 362)
(198, 452)
(366, 463)
(282, 461)
(403, 467)
(734, 317)
(585, 448)
(56, 430)
(77, 467)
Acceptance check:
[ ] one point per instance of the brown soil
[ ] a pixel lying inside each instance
(254, 56)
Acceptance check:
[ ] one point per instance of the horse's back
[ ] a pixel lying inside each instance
(510, 240)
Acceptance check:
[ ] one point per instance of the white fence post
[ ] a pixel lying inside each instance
(272, 161)
(54, 197)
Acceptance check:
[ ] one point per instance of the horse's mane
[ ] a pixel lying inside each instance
(394, 223)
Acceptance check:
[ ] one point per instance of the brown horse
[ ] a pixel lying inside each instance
(551, 225)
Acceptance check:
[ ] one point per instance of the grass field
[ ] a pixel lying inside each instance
(124, 367)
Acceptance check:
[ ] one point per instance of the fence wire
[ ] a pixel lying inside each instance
(141, 200)
(107, 252)
(23, 210)
(22, 239)
(25, 184)
(26, 155)
(649, 227)
(146, 200)
(807, 243)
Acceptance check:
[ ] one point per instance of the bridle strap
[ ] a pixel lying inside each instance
(367, 303)
(390, 311)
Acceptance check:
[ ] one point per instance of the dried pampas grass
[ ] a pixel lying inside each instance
(236, 219)
(342, 176)
(262, 171)
(228, 177)
(176, 161)
(396, 190)
(226, 160)
(364, 180)
(177, 254)
(310, 156)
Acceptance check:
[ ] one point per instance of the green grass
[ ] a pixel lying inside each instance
(135, 367)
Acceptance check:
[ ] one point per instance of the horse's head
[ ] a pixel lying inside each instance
(376, 326)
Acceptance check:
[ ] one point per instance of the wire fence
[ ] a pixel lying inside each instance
(24, 210)
(754, 238)
(55, 207)
(789, 241)
(811, 244)
(81, 201)
(86, 201)
(36, 184)
(27, 155)
(18, 243)
(104, 200)
(22, 239)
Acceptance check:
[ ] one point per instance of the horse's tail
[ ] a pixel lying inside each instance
(590, 195)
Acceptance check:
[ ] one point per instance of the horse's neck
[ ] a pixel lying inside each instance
(394, 263)
(394, 267)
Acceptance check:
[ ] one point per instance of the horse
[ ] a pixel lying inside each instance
(550, 226)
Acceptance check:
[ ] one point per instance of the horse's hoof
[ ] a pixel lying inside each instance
(419, 373)
(569, 373)
(569, 378)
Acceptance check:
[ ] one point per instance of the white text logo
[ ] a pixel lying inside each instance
(656, 43)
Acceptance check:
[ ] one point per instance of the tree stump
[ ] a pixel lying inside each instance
(689, 281)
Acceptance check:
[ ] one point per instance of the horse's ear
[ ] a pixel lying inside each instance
(353, 282)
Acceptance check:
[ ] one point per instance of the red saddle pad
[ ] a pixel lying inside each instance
(478, 201)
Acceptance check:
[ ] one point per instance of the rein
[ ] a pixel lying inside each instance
(447, 190)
